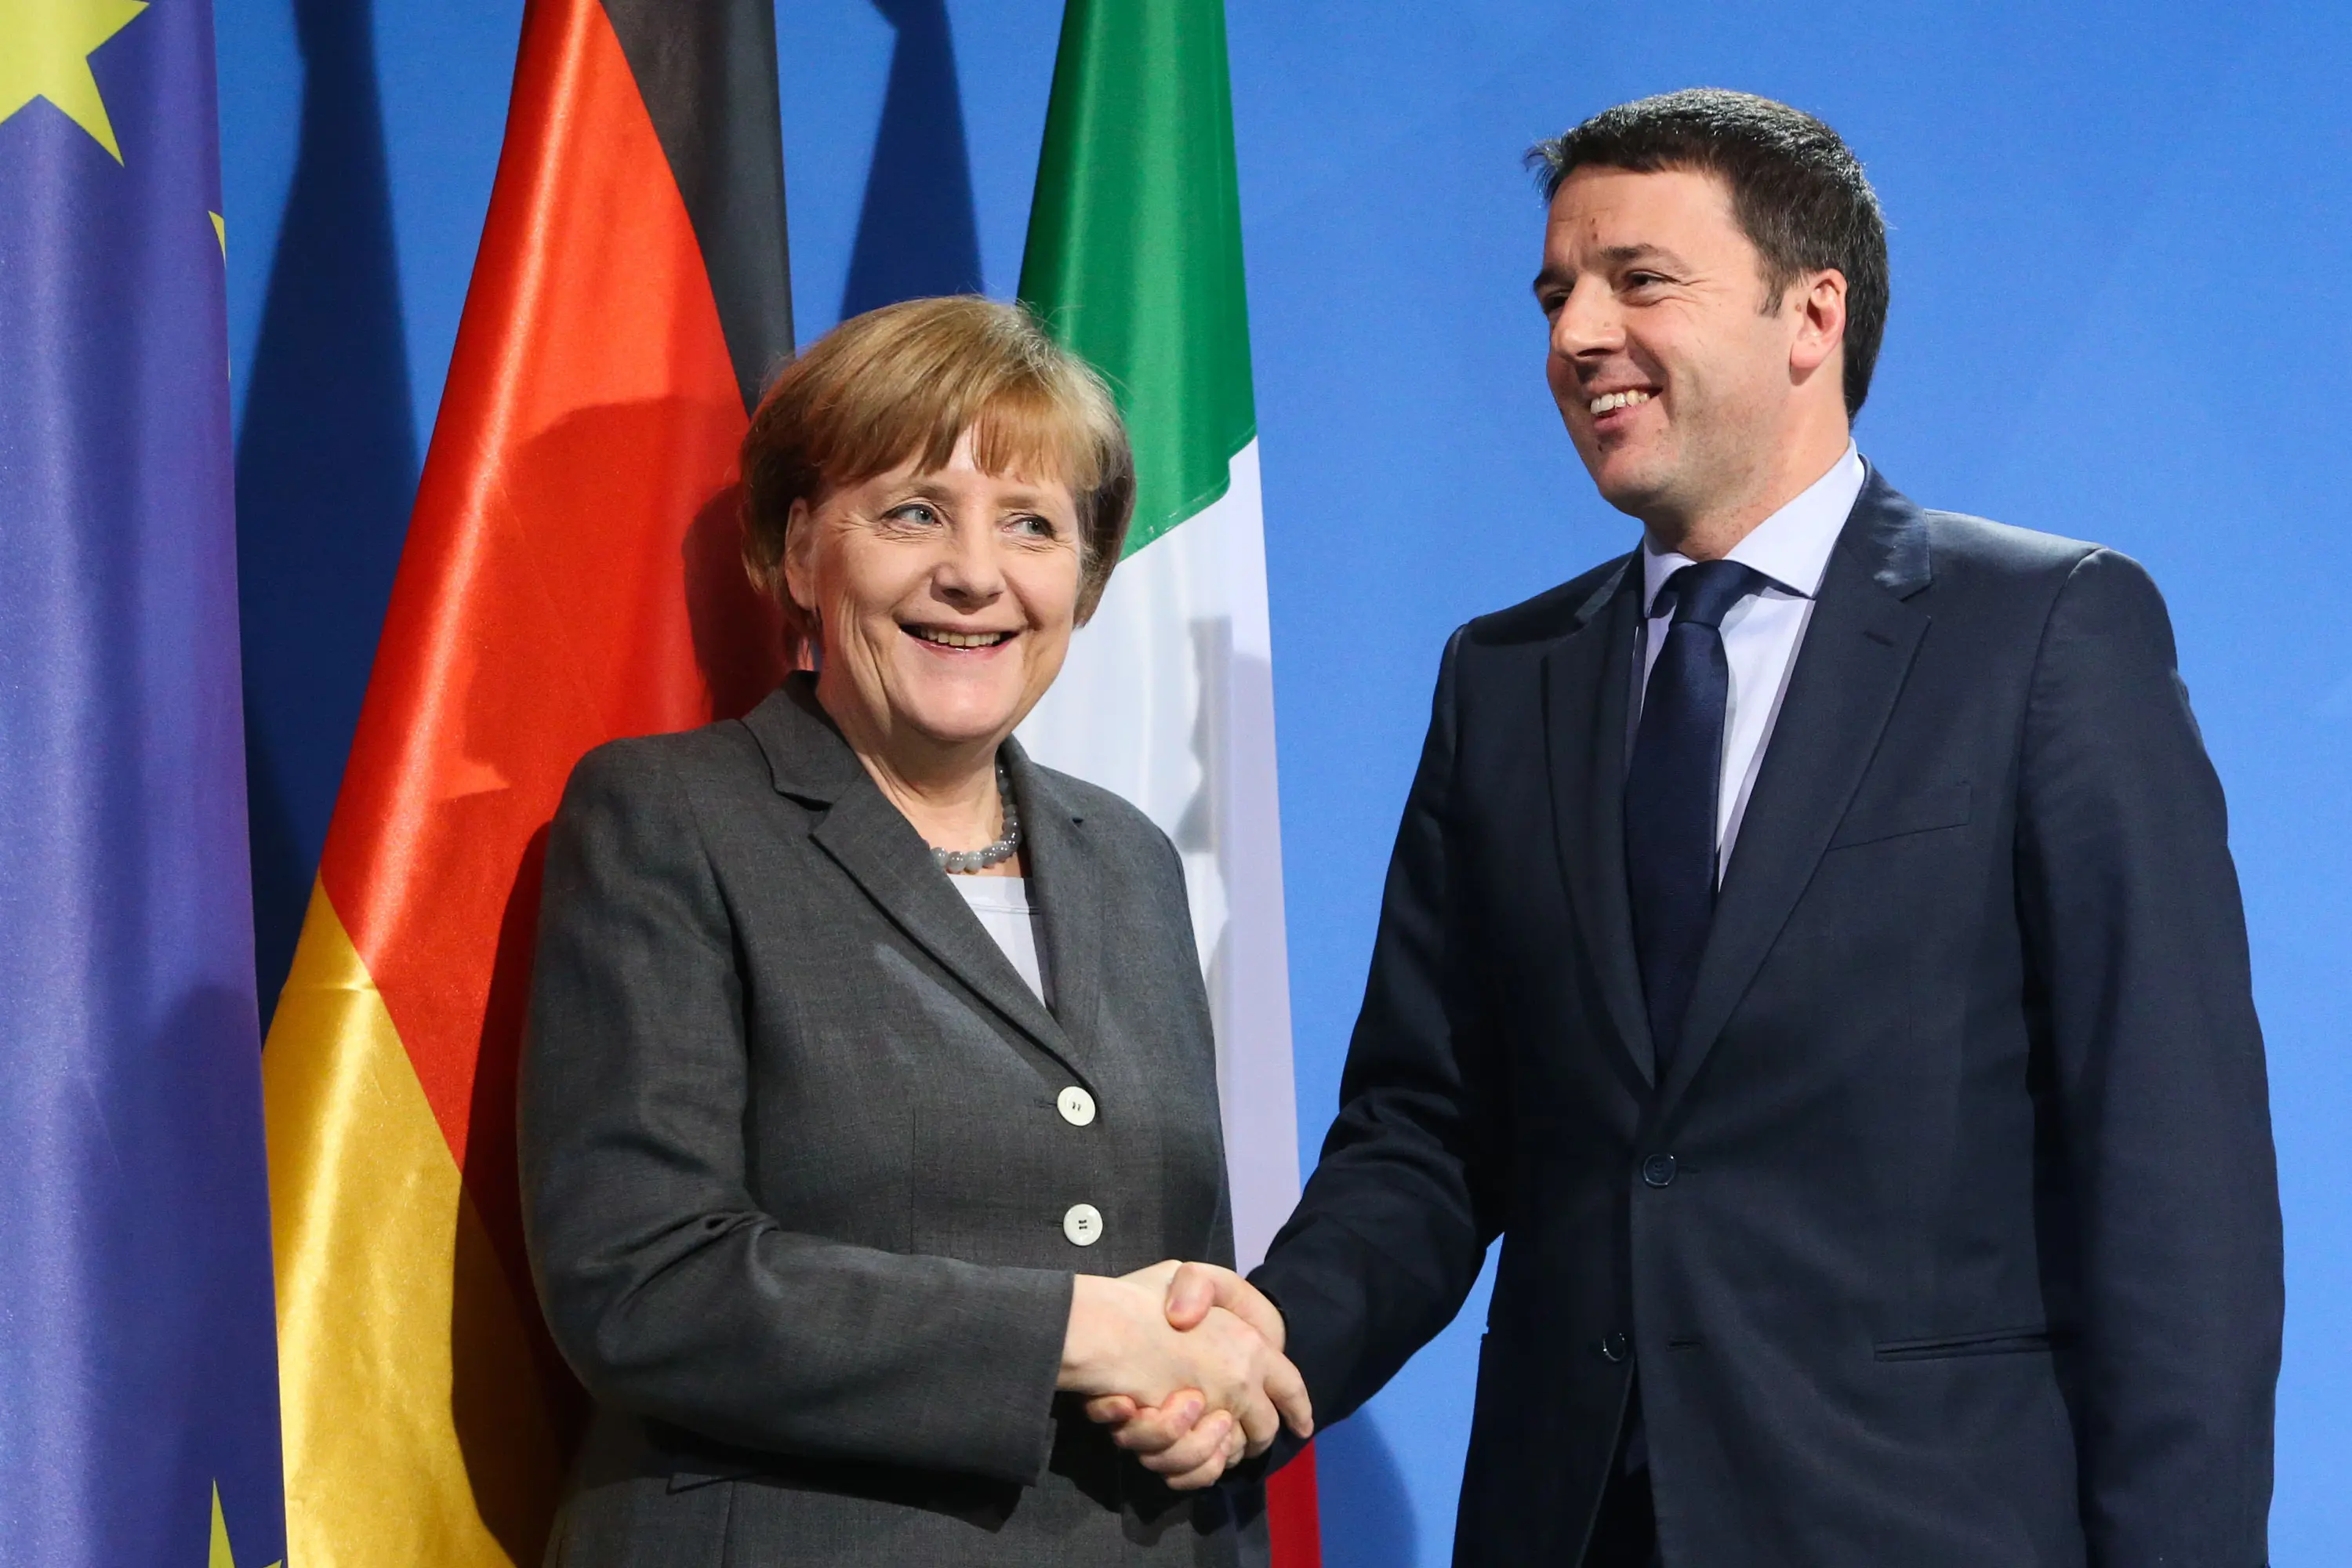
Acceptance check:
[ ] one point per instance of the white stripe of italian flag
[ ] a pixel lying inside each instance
(1134, 261)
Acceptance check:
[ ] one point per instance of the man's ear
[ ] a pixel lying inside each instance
(1821, 322)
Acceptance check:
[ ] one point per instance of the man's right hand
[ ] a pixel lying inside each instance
(1165, 1437)
(1216, 1388)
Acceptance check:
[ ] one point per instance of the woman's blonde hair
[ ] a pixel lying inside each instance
(905, 383)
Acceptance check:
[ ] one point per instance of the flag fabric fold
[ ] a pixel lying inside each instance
(570, 575)
(138, 1383)
(1134, 261)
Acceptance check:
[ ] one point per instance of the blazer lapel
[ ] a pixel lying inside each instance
(1066, 885)
(1851, 668)
(872, 841)
(1587, 681)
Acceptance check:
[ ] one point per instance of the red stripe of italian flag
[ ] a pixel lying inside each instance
(564, 581)
(1135, 261)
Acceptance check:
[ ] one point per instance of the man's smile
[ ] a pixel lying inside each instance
(1610, 402)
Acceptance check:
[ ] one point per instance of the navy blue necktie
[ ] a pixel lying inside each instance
(1671, 791)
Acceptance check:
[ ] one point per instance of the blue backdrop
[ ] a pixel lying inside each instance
(2123, 311)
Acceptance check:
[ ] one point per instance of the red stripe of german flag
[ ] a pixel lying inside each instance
(570, 575)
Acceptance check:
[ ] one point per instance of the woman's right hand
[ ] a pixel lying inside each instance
(1119, 1342)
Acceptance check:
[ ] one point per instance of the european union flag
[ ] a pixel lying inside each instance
(138, 1364)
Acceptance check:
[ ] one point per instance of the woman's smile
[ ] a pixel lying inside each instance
(959, 639)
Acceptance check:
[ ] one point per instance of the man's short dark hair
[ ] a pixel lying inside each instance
(1797, 190)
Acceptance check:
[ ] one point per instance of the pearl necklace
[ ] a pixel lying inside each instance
(965, 862)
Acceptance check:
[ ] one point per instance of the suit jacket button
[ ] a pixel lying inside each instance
(1077, 1105)
(1613, 1346)
(1658, 1169)
(1083, 1224)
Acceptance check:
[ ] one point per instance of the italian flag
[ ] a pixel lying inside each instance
(1134, 261)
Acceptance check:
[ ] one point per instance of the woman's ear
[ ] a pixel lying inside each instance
(798, 575)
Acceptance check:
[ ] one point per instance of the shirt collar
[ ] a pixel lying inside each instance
(1792, 547)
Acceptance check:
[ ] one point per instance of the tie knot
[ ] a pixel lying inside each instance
(1706, 591)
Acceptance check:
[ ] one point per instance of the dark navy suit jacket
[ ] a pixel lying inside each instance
(1951, 1239)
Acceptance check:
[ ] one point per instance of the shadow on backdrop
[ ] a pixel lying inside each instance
(1368, 1519)
(917, 233)
(606, 455)
(325, 473)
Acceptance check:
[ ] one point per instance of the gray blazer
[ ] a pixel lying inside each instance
(794, 1178)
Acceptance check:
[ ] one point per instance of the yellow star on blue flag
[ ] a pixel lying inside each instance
(221, 1556)
(45, 49)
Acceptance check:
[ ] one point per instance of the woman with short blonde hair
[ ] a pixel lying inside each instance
(869, 1079)
(912, 379)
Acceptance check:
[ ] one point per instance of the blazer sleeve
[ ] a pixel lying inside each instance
(2138, 971)
(668, 1291)
(1392, 1228)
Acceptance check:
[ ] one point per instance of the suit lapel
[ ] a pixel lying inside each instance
(1587, 680)
(873, 842)
(1851, 668)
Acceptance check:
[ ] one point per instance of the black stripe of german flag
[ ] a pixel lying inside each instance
(707, 70)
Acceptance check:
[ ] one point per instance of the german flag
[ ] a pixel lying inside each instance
(570, 575)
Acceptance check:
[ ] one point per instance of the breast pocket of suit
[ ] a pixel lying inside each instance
(1931, 810)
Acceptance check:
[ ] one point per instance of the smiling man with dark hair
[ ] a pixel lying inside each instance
(1813, 945)
(1798, 195)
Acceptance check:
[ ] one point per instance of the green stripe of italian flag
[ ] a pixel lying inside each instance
(1134, 261)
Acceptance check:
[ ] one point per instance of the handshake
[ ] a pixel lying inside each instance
(1183, 1363)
